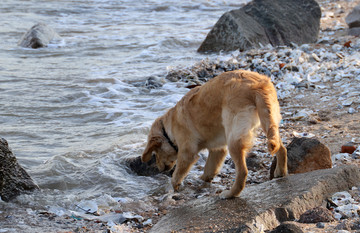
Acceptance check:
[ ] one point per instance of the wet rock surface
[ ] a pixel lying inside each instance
(38, 36)
(145, 169)
(278, 22)
(304, 155)
(263, 206)
(14, 180)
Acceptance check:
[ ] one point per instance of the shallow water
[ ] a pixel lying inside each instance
(73, 111)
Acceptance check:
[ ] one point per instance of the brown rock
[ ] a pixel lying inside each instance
(14, 180)
(304, 155)
(318, 214)
(348, 148)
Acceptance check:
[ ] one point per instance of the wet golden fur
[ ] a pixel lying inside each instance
(221, 115)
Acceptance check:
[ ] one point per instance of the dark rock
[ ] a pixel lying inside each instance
(38, 36)
(262, 22)
(287, 227)
(145, 169)
(355, 225)
(320, 225)
(318, 214)
(304, 155)
(153, 83)
(354, 31)
(353, 21)
(344, 225)
(14, 180)
(260, 206)
(234, 30)
(254, 163)
(353, 18)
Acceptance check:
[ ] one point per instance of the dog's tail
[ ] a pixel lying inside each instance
(268, 110)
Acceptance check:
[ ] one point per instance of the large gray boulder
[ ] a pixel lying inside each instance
(14, 180)
(38, 36)
(262, 22)
(353, 21)
(260, 207)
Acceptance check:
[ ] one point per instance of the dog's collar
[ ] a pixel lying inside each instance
(168, 139)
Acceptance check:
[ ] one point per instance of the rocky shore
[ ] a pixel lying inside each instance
(319, 90)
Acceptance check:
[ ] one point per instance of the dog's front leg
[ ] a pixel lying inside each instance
(214, 163)
(183, 165)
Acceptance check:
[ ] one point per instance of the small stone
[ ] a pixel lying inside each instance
(337, 216)
(320, 225)
(287, 227)
(316, 215)
(344, 225)
(348, 148)
(355, 225)
(316, 58)
(145, 169)
(351, 110)
(254, 163)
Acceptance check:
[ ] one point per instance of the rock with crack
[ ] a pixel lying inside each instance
(260, 207)
(14, 180)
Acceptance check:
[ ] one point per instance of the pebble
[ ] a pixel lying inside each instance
(348, 148)
(351, 110)
(320, 225)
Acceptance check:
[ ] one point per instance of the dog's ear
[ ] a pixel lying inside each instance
(151, 146)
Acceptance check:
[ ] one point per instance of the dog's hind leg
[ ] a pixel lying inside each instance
(186, 159)
(281, 162)
(239, 131)
(214, 163)
(238, 150)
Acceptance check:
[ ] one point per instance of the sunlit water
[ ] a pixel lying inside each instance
(73, 111)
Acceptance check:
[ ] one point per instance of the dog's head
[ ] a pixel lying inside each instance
(157, 143)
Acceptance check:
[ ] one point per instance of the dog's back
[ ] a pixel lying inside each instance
(244, 95)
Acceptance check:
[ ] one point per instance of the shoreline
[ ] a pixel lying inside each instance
(332, 122)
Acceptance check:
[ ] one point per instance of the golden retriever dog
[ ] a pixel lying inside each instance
(219, 116)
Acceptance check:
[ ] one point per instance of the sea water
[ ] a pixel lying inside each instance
(74, 111)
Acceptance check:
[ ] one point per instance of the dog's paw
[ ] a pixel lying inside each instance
(206, 178)
(176, 185)
(279, 173)
(226, 194)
